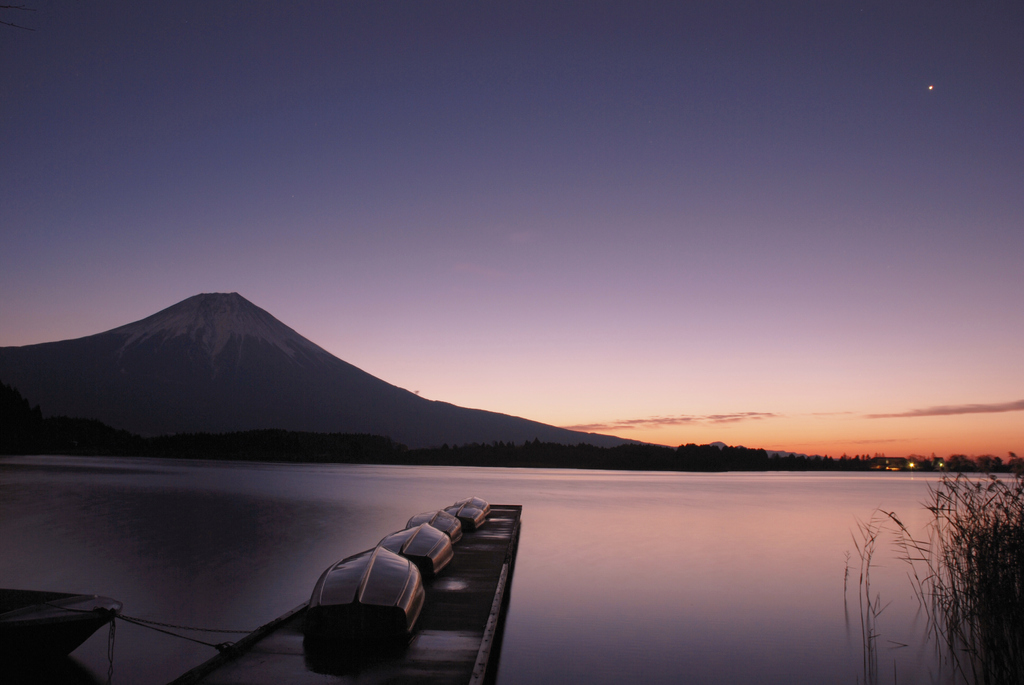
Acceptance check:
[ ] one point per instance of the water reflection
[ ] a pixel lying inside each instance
(66, 670)
(659, 578)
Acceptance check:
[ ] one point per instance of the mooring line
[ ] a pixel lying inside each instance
(180, 627)
(220, 647)
(152, 625)
(110, 653)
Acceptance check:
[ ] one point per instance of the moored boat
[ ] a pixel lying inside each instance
(36, 624)
(442, 520)
(475, 502)
(469, 516)
(375, 595)
(426, 546)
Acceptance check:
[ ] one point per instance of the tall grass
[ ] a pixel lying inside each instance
(970, 574)
(870, 607)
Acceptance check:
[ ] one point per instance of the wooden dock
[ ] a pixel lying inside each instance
(458, 638)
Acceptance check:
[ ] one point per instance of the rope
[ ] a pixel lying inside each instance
(110, 653)
(220, 647)
(152, 625)
(179, 627)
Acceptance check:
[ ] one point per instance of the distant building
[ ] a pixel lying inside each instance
(890, 464)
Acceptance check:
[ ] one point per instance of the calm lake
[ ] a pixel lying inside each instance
(620, 577)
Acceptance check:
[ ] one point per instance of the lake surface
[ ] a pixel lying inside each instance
(620, 577)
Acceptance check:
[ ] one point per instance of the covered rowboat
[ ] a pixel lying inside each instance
(442, 520)
(375, 595)
(476, 503)
(469, 516)
(426, 546)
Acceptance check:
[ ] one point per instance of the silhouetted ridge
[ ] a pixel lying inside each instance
(216, 363)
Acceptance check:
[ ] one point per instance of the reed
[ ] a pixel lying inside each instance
(969, 575)
(866, 541)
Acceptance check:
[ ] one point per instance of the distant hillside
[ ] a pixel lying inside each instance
(23, 430)
(216, 363)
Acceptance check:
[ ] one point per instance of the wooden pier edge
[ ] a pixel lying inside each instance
(234, 651)
(485, 670)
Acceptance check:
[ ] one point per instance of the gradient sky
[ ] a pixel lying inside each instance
(791, 225)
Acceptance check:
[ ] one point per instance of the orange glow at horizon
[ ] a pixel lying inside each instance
(835, 435)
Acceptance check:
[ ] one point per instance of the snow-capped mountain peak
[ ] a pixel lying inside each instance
(211, 320)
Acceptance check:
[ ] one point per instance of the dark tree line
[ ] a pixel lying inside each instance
(632, 457)
(23, 430)
(20, 423)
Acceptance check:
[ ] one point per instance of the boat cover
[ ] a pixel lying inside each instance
(373, 595)
(423, 545)
(476, 502)
(442, 520)
(469, 516)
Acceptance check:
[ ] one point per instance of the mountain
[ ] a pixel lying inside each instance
(218, 363)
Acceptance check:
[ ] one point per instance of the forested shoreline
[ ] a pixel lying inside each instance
(23, 430)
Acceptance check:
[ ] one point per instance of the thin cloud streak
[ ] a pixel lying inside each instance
(876, 441)
(859, 441)
(953, 410)
(665, 421)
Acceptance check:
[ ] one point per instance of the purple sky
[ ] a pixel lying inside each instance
(678, 222)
